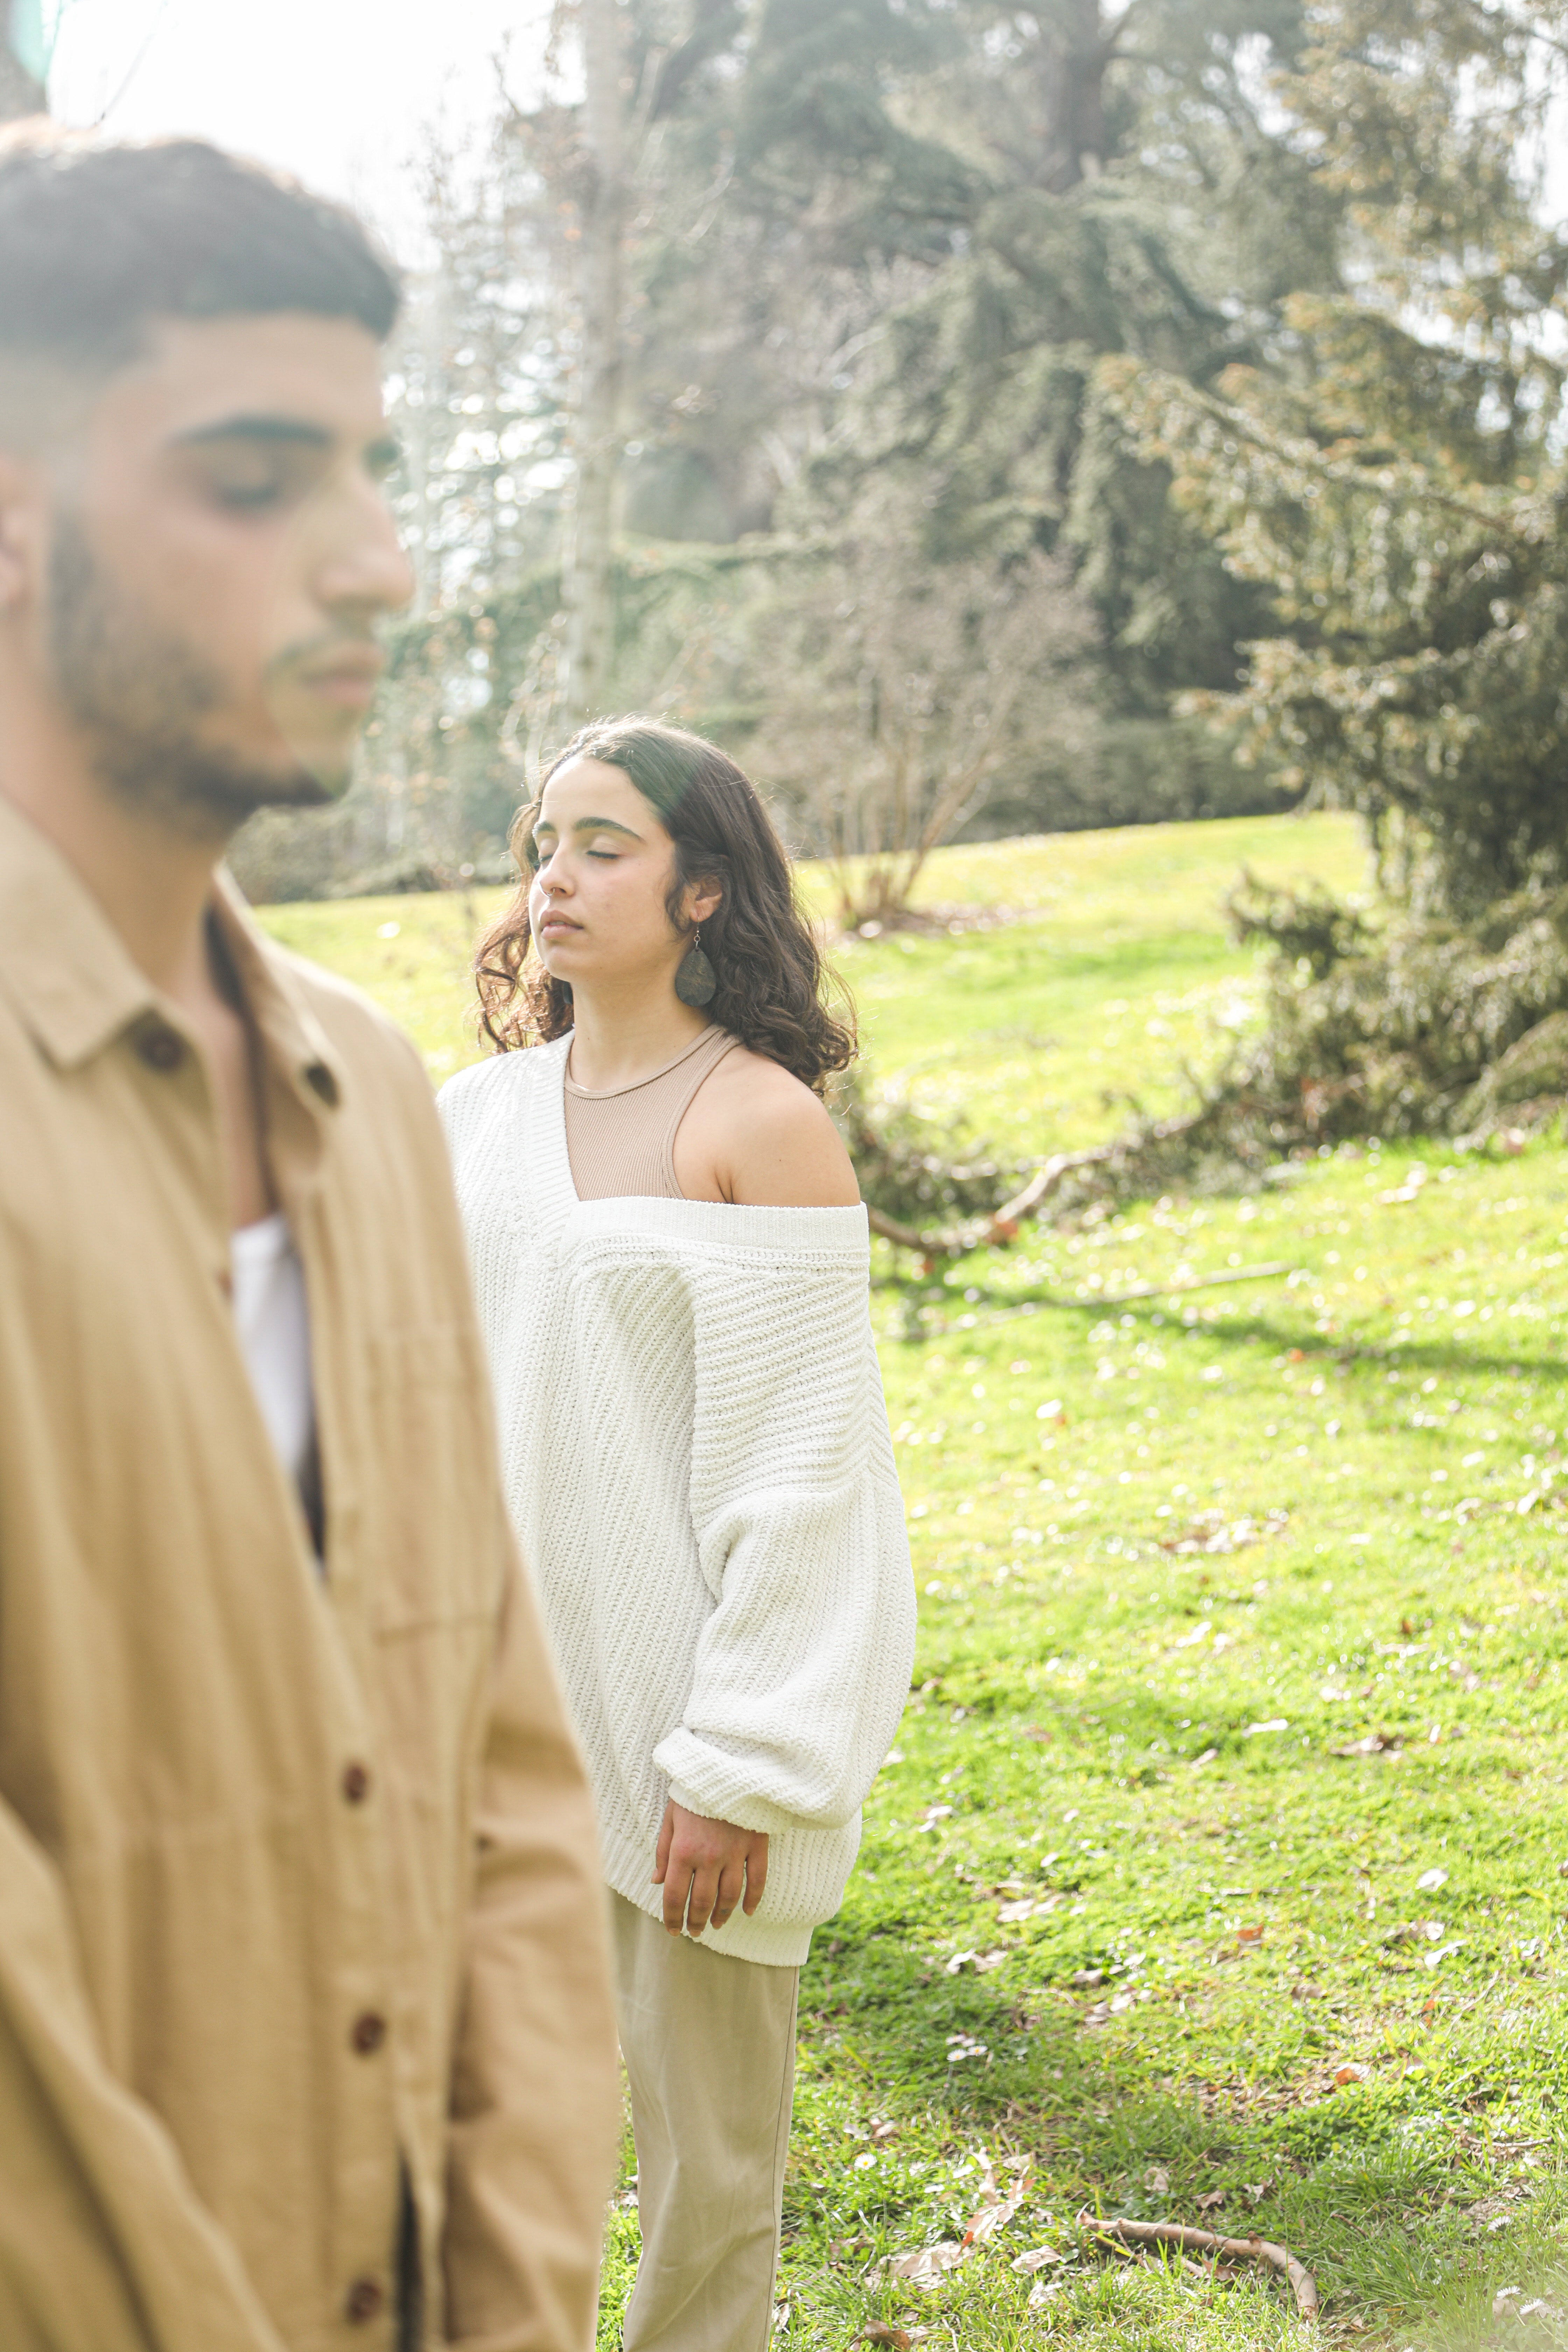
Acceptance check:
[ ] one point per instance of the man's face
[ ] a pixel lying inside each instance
(220, 552)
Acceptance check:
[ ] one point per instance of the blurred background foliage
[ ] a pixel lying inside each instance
(987, 421)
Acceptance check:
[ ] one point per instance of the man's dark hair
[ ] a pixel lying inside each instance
(100, 240)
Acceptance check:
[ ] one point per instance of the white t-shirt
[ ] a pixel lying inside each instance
(273, 1324)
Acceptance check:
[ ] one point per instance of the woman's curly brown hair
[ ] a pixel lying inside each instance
(770, 976)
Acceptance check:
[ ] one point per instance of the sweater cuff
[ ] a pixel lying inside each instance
(724, 1788)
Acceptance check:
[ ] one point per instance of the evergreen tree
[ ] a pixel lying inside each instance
(1393, 479)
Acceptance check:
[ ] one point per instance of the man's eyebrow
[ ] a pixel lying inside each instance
(290, 429)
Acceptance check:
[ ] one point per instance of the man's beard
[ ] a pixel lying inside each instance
(140, 694)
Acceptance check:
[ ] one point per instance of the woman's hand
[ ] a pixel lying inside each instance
(705, 1867)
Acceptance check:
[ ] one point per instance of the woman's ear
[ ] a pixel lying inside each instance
(703, 899)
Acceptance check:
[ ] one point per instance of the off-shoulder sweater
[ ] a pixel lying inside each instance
(698, 1465)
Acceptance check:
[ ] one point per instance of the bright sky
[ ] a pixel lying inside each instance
(339, 91)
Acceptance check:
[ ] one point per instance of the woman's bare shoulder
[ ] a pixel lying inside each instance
(756, 1135)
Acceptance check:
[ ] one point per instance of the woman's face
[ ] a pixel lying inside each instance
(597, 903)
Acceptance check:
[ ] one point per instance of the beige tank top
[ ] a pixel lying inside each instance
(621, 1142)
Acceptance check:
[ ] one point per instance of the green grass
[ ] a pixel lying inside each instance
(1173, 1555)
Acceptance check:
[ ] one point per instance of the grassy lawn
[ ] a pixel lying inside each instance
(1132, 1930)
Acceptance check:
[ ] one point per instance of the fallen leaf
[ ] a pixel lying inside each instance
(879, 2331)
(1213, 2197)
(1041, 2293)
(1156, 2180)
(1344, 2074)
(1430, 1880)
(992, 2218)
(1036, 2260)
(1086, 1978)
(979, 1961)
(884, 2131)
(1376, 1743)
(927, 2267)
(1249, 1934)
(1098, 2015)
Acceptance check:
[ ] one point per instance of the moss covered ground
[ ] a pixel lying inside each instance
(1218, 1872)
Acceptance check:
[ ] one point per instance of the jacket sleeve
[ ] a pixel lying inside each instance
(103, 2241)
(535, 2105)
(803, 1668)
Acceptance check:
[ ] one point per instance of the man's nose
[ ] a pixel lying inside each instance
(365, 567)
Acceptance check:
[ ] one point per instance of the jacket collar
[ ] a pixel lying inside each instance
(77, 987)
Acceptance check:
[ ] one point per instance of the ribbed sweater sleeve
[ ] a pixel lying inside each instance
(802, 1667)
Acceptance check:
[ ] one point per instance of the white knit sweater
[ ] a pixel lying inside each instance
(699, 1467)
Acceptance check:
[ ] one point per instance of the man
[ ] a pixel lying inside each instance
(305, 2037)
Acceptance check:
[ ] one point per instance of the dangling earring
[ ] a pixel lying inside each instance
(696, 982)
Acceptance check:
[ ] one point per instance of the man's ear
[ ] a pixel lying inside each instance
(22, 532)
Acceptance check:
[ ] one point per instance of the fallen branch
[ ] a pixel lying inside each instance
(1204, 2241)
(1177, 1289)
(1001, 1226)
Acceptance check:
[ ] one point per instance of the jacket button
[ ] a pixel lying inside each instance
(161, 1049)
(355, 1783)
(369, 2033)
(362, 2300)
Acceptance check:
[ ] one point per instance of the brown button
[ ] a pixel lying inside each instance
(323, 1084)
(226, 1281)
(161, 1049)
(363, 2300)
(369, 2033)
(355, 1783)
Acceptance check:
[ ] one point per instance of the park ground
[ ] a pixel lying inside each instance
(1220, 1871)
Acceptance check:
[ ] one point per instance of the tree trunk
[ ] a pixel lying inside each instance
(1075, 53)
(589, 575)
(19, 93)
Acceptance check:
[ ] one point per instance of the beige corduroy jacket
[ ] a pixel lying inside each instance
(299, 1883)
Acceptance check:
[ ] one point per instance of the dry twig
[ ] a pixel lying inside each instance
(1204, 2241)
(1001, 1226)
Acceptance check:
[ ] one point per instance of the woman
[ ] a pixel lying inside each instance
(672, 1262)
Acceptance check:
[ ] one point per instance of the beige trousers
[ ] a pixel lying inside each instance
(708, 2044)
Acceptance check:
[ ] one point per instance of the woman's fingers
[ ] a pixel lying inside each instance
(731, 1887)
(705, 1885)
(706, 1868)
(661, 1852)
(677, 1884)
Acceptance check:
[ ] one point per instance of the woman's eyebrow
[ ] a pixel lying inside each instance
(603, 825)
(587, 825)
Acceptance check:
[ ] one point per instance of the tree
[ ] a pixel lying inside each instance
(900, 691)
(1395, 484)
(1398, 490)
(596, 411)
